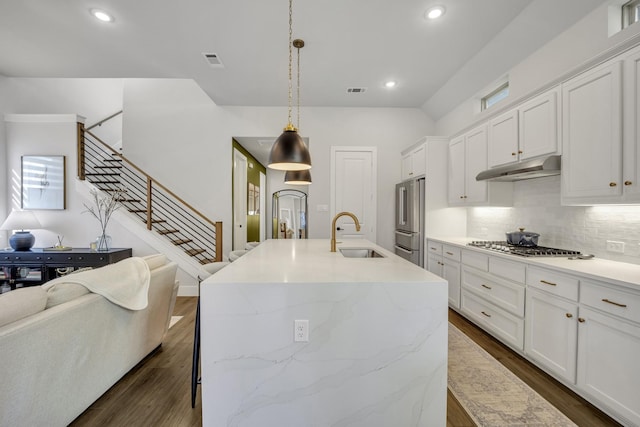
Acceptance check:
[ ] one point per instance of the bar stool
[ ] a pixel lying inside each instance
(234, 255)
(211, 269)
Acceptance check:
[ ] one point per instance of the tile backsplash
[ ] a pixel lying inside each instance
(536, 207)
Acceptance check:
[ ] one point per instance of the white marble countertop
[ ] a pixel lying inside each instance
(619, 273)
(311, 261)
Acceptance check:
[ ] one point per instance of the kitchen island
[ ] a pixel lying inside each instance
(376, 353)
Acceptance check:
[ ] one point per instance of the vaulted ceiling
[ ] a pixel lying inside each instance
(349, 43)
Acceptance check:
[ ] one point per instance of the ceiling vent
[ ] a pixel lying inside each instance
(213, 59)
(356, 89)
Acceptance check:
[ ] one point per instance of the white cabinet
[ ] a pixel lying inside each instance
(503, 139)
(451, 272)
(592, 136)
(608, 371)
(551, 332)
(434, 257)
(631, 131)
(414, 163)
(528, 131)
(467, 158)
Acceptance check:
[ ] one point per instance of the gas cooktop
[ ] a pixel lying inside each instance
(527, 251)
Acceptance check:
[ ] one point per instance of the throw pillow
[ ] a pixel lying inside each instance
(62, 292)
(21, 303)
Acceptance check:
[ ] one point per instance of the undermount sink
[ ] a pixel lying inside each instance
(360, 253)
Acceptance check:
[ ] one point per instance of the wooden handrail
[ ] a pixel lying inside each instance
(104, 120)
(148, 177)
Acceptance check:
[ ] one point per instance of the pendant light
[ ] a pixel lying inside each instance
(299, 177)
(289, 153)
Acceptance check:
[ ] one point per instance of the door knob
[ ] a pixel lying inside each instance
(338, 228)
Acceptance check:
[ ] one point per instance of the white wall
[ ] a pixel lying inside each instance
(190, 139)
(578, 44)
(3, 162)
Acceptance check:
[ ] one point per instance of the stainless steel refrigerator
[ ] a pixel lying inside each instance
(410, 220)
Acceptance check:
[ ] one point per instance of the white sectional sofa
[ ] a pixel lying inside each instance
(56, 362)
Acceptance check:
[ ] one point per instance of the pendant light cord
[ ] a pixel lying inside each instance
(290, 58)
(298, 88)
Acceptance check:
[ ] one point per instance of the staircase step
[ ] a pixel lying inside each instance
(137, 210)
(104, 182)
(181, 241)
(121, 190)
(107, 167)
(163, 232)
(155, 221)
(102, 174)
(112, 160)
(207, 261)
(121, 200)
(194, 252)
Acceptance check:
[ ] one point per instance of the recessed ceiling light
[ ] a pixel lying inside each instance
(101, 15)
(390, 84)
(435, 12)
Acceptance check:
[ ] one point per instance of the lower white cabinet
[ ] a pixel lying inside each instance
(495, 320)
(451, 272)
(608, 350)
(551, 331)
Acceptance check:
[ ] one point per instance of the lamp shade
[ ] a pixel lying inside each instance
(298, 177)
(21, 220)
(289, 153)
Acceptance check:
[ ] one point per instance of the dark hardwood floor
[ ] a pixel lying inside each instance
(157, 392)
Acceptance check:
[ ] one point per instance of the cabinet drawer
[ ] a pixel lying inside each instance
(475, 260)
(506, 326)
(434, 247)
(552, 282)
(614, 301)
(504, 294)
(514, 271)
(451, 252)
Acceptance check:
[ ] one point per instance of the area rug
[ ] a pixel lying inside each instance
(490, 393)
(174, 320)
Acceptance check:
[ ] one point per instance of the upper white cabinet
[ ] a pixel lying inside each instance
(503, 139)
(592, 136)
(467, 158)
(526, 132)
(414, 163)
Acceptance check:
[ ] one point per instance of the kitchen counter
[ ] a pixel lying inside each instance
(377, 348)
(619, 273)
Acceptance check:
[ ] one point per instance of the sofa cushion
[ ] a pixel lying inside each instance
(21, 303)
(156, 260)
(59, 293)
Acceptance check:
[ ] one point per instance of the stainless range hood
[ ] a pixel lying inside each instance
(536, 168)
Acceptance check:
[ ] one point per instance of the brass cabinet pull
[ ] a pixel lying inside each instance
(488, 315)
(628, 183)
(462, 197)
(449, 253)
(548, 283)
(432, 248)
(569, 315)
(612, 184)
(519, 151)
(485, 286)
(580, 319)
(513, 154)
(614, 303)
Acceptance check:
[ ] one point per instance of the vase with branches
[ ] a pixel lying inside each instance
(102, 208)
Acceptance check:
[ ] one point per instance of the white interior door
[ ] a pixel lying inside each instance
(354, 189)
(239, 200)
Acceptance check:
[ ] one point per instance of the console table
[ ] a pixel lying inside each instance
(34, 267)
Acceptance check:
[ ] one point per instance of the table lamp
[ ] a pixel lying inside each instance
(21, 220)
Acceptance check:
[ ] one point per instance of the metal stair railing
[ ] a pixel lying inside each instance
(159, 208)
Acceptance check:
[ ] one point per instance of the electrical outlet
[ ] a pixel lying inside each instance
(301, 330)
(617, 247)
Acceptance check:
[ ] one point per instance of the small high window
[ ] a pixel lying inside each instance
(496, 95)
(630, 13)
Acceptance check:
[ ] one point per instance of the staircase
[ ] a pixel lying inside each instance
(163, 212)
